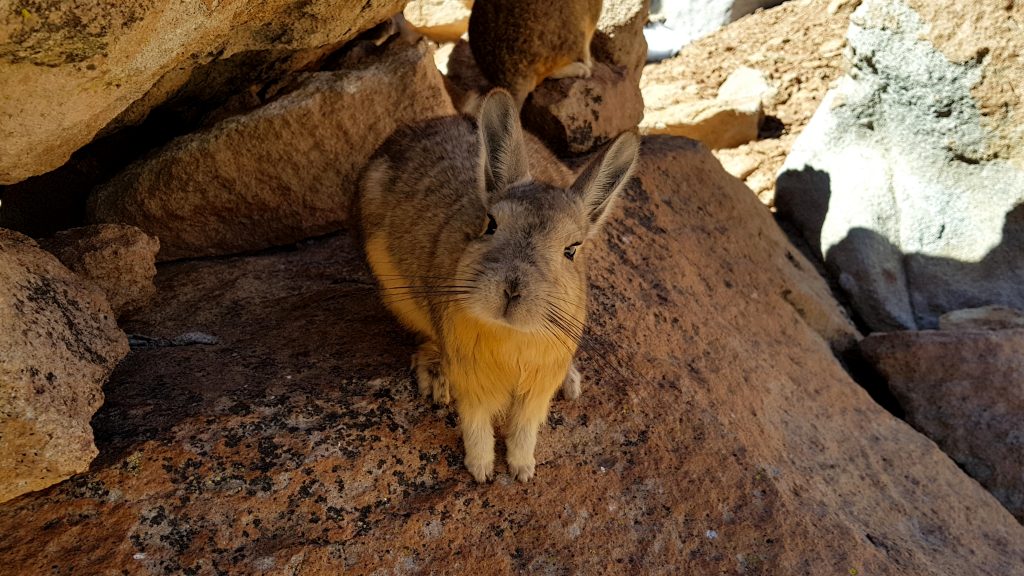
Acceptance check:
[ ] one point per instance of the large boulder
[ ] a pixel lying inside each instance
(910, 177)
(108, 63)
(716, 433)
(120, 259)
(965, 391)
(281, 173)
(58, 344)
(575, 115)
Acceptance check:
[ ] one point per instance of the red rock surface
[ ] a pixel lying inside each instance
(716, 433)
(964, 389)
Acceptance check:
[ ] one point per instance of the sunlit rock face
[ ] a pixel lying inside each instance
(73, 70)
(909, 177)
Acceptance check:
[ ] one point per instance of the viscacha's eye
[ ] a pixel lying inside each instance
(570, 251)
(491, 225)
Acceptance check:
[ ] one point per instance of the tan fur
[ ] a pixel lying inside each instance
(519, 43)
(499, 314)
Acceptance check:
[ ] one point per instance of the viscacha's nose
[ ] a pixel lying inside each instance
(512, 291)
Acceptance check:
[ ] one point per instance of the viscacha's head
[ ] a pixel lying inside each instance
(528, 261)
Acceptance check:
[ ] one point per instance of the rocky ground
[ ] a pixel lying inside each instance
(716, 438)
(797, 46)
(265, 420)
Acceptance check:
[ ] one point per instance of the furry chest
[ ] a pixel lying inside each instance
(498, 360)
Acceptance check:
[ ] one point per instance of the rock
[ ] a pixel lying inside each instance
(619, 40)
(781, 44)
(716, 432)
(909, 177)
(281, 173)
(439, 20)
(731, 119)
(965, 391)
(120, 259)
(575, 115)
(984, 318)
(715, 123)
(746, 84)
(689, 20)
(59, 343)
(107, 64)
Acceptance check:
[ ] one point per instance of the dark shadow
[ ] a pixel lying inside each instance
(890, 290)
(771, 128)
(996, 279)
(259, 365)
(801, 199)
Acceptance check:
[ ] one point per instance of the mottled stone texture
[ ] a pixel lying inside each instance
(965, 390)
(716, 433)
(72, 69)
(120, 259)
(58, 344)
(281, 173)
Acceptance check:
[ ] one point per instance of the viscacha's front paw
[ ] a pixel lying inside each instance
(429, 377)
(481, 470)
(571, 386)
(523, 471)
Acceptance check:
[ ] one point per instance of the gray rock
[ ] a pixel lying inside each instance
(912, 195)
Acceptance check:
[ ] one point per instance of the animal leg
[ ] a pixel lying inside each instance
(429, 376)
(528, 412)
(571, 387)
(475, 420)
(573, 70)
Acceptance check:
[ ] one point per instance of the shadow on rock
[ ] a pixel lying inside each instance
(300, 337)
(887, 288)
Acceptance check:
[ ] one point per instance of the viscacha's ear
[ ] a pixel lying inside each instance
(502, 150)
(606, 176)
